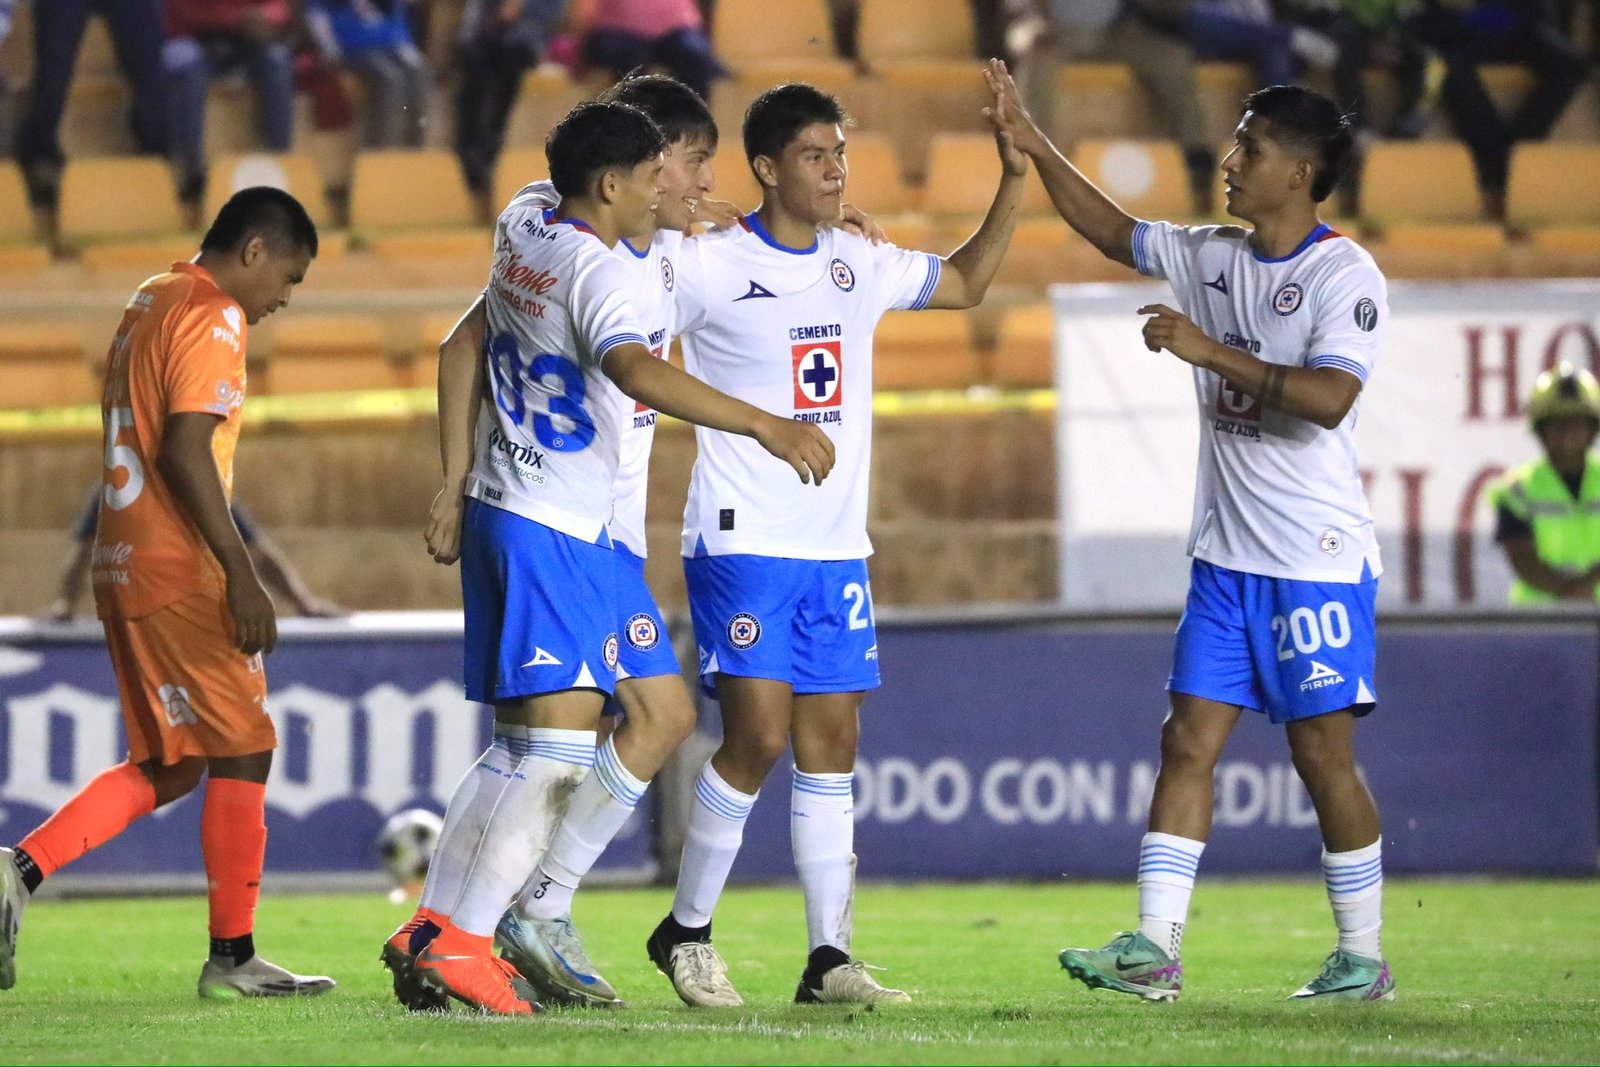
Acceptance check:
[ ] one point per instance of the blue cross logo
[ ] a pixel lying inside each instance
(819, 375)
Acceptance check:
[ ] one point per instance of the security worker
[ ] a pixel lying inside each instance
(1547, 513)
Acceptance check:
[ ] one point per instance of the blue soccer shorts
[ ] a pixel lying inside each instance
(644, 650)
(802, 621)
(1293, 649)
(540, 606)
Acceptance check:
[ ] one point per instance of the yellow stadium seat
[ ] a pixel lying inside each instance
(929, 29)
(924, 350)
(548, 92)
(411, 204)
(1100, 100)
(20, 248)
(875, 182)
(963, 170)
(516, 168)
(42, 365)
(329, 353)
(758, 31)
(1419, 182)
(297, 175)
(1147, 179)
(117, 198)
(1554, 184)
(1025, 355)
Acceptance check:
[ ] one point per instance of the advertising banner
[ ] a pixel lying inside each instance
(1443, 413)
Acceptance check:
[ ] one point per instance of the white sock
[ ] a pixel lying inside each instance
(1355, 889)
(822, 829)
(520, 826)
(475, 797)
(1167, 865)
(716, 829)
(602, 803)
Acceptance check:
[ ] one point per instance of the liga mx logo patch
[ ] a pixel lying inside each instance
(818, 374)
(1366, 315)
(643, 634)
(1287, 300)
(608, 652)
(842, 275)
(744, 630)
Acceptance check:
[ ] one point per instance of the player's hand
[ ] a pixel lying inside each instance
(1007, 115)
(718, 214)
(858, 222)
(255, 620)
(801, 445)
(443, 532)
(1177, 333)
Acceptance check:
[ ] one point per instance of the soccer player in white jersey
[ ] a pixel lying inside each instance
(780, 311)
(539, 578)
(1282, 323)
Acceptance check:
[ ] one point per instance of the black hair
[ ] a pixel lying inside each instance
(272, 213)
(595, 137)
(777, 116)
(1307, 119)
(671, 105)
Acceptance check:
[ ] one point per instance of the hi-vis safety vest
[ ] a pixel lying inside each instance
(1566, 532)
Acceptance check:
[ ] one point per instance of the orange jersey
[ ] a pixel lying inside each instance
(180, 348)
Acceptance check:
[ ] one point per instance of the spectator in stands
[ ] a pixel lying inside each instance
(1466, 33)
(210, 39)
(1372, 32)
(1248, 31)
(500, 40)
(277, 572)
(627, 34)
(1145, 35)
(6, 7)
(58, 27)
(1545, 510)
(989, 19)
(373, 39)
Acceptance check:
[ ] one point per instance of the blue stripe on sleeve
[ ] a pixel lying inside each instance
(935, 265)
(1344, 363)
(618, 339)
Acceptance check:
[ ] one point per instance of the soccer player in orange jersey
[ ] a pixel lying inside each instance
(185, 615)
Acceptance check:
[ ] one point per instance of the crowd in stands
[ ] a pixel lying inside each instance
(172, 51)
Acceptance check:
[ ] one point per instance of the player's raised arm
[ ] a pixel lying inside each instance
(969, 269)
(669, 390)
(1085, 208)
(1322, 395)
(461, 377)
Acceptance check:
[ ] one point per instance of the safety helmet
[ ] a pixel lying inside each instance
(1564, 390)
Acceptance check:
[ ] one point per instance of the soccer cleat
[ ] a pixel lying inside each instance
(549, 954)
(1131, 963)
(255, 977)
(1347, 976)
(477, 980)
(846, 983)
(13, 898)
(399, 956)
(697, 972)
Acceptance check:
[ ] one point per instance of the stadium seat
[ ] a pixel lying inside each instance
(95, 122)
(1147, 178)
(962, 172)
(924, 350)
(548, 92)
(875, 182)
(297, 175)
(731, 97)
(516, 168)
(414, 204)
(1100, 100)
(328, 353)
(1024, 357)
(1419, 182)
(936, 29)
(122, 213)
(42, 365)
(752, 32)
(1554, 184)
(20, 249)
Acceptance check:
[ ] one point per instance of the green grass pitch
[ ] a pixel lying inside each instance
(1489, 972)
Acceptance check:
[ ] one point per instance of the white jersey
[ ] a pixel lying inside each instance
(548, 430)
(1275, 495)
(790, 331)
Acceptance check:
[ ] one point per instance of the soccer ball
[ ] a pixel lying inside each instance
(406, 844)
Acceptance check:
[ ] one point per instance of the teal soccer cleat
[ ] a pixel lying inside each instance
(1346, 976)
(1131, 963)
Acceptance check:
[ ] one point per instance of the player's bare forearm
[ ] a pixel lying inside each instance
(461, 383)
(1095, 216)
(1320, 395)
(969, 270)
(190, 468)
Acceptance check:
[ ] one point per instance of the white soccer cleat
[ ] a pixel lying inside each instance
(848, 983)
(549, 954)
(697, 972)
(255, 977)
(13, 899)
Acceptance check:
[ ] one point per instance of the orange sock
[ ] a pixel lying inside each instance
(233, 840)
(454, 941)
(101, 810)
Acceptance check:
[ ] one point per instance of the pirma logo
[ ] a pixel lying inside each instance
(1320, 678)
(744, 630)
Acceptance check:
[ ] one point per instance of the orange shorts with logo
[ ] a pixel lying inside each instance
(186, 690)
